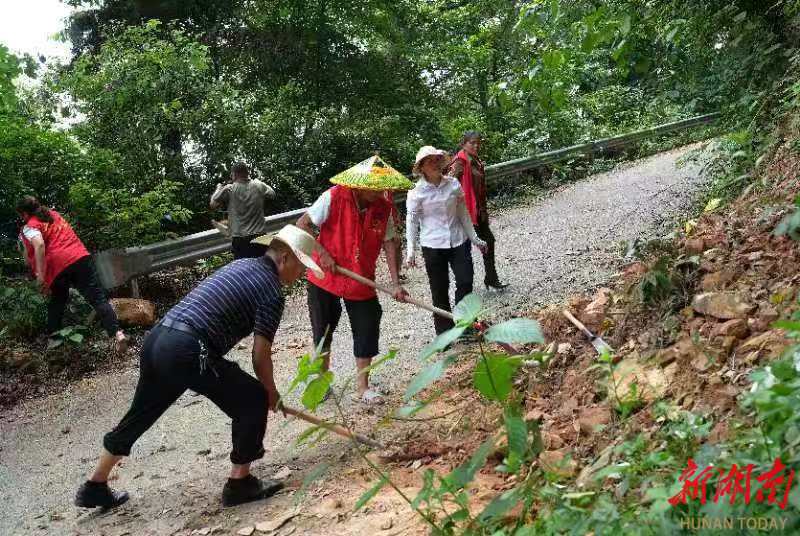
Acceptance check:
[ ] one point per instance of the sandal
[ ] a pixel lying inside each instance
(370, 397)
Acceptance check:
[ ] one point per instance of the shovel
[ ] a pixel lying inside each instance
(599, 344)
(480, 326)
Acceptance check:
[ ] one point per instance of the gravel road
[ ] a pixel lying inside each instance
(564, 243)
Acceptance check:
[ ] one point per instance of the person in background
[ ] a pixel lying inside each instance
(244, 199)
(468, 168)
(60, 261)
(186, 350)
(437, 218)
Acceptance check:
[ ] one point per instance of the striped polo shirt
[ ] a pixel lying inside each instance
(241, 298)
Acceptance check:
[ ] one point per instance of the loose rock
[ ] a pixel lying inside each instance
(590, 419)
(134, 312)
(736, 328)
(722, 305)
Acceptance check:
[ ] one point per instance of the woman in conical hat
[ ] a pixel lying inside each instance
(353, 222)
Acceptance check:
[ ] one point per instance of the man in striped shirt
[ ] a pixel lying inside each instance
(185, 351)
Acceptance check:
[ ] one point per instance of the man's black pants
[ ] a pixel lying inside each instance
(438, 263)
(81, 275)
(169, 365)
(243, 248)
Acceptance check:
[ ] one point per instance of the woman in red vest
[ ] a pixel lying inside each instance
(468, 168)
(59, 261)
(354, 225)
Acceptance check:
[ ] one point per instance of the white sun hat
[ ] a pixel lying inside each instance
(300, 242)
(426, 151)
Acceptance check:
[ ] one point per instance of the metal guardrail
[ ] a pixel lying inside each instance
(116, 267)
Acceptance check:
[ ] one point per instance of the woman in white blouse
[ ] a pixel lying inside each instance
(437, 219)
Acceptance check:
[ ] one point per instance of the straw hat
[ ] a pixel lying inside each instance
(300, 242)
(373, 174)
(425, 152)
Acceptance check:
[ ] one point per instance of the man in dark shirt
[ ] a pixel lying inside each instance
(185, 351)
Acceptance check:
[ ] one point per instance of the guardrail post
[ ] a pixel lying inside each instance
(135, 288)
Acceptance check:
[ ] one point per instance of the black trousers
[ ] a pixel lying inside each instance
(80, 275)
(485, 233)
(169, 365)
(325, 311)
(243, 249)
(438, 263)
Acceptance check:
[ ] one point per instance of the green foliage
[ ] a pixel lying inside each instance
(23, 309)
(111, 217)
(656, 284)
(427, 376)
(494, 374)
(669, 282)
(516, 331)
(70, 335)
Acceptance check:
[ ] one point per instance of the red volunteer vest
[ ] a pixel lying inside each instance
(62, 247)
(354, 241)
(473, 199)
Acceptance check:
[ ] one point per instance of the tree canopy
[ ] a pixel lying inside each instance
(162, 95)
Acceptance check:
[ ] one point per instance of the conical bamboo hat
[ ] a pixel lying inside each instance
(373, 174)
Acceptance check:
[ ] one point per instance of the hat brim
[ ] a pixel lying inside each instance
(304, 259)
(439, 153)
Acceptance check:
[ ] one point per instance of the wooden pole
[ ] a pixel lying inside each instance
(335, 428)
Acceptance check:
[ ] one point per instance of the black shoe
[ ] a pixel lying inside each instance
(94, 494)
(495, 285)
(248, 489)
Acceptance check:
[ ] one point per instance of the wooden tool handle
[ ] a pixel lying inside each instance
(578, 324)
(335, 428)
(370, 283)
(422, 305)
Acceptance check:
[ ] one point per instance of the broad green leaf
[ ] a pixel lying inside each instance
(427, 376)
(77, 338)
(500, 505)
(516, 331)
(788, 325)
(54, 343)
(308, 435)
(441, 342)
(316, 389)
(517, 432)
(464, 473)
(493, 375)
(380, 361)
(468, 309)
(369, 494)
